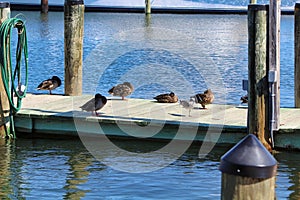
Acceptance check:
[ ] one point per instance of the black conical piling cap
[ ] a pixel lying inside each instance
(4, 4)
(249, 158)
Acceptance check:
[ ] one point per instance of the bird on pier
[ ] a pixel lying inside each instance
(122, 90)
(95, 104)
(244, 99)
(189, 105)
(166, 98)
(50, 84)
(204, 98)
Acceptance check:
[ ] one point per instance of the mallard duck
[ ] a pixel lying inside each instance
(189, 105)
(204, 99)
(244, 99)
(121, 90)
(50, 84)
(95, 104)
(166, 98)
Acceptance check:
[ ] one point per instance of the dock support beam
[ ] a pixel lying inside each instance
(4, 103)
(148, 7)
(73, 22)
(258, 104)
(297, 55)
(44, 6)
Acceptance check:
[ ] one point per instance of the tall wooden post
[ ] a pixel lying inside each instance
(258, 104)
(4, 107)
(297, 54)
(74, 19)
(274, 66)
(248, 171)
(44, 6)
(148, 6)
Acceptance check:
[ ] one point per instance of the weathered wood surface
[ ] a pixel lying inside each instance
(148, 6)
(238, 187)
(73, 45)
(258, 90)
(56, 113)
(44, 6)
(4, 103)
(274, 61)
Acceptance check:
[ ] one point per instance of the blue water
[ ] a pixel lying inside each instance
(64, 169)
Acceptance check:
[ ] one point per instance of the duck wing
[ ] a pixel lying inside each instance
(122, 90)
(89, 106)
(45, 85)
(100, 102)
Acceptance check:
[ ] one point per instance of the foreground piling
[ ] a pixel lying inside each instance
(4, 103)
(297, 55)
(248, 171)
(257, 73)
(74, 19)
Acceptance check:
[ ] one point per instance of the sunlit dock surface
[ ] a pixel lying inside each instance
(60, 115)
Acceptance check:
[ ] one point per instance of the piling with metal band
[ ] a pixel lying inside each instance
(148, 7)
(258, 93)
(74, 24)
(248, 171)
(44, 6)
(4, 103)
(297, 54)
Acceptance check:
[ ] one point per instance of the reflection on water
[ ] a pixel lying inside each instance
(64, 169)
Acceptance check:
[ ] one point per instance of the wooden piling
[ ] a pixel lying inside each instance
(248, 171)
(74, 24)
(148, 7)
(297, 55)
(44, 6)
(4, 102)
(274, 67)
(258, 93)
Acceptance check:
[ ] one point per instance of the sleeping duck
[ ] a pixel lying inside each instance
(95, 104)
(204, 99)
(166, 98)
(50, 84)
(244, 99)
(121, 90)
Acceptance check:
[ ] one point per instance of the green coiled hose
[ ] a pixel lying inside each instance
(12, 75)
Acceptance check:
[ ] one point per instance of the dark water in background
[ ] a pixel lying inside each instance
(180, 53)
(64, 169)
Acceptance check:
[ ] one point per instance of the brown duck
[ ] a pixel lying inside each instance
(122, 90)
(244, 99)
(49, 84)
(204, 98)
(166, 98)
(95, 104)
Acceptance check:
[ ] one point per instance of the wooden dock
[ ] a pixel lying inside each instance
(60, 115)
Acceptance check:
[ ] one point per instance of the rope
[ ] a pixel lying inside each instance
(11, 76)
